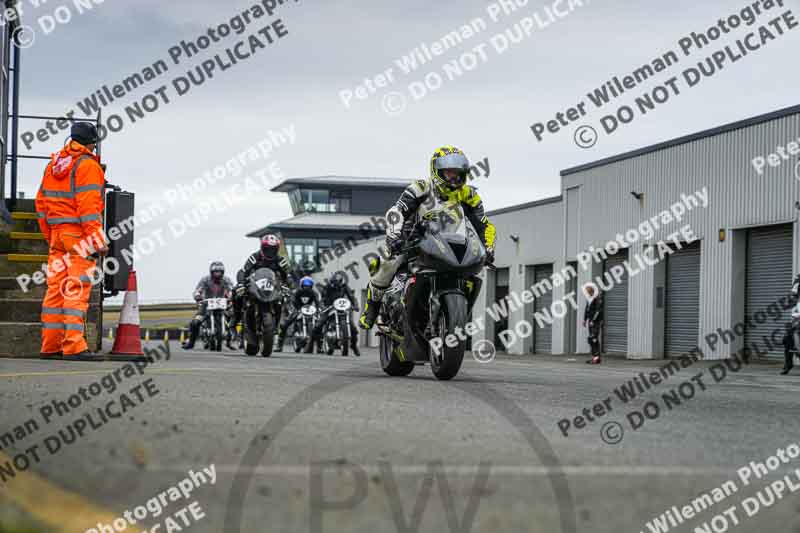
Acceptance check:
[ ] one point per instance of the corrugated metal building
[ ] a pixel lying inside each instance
(743, 260)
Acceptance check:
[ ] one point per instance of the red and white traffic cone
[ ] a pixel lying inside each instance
(128, 341)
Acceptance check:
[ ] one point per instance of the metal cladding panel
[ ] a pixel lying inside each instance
(769, 278)
(540, 232)
(616, 308)
(572, 224)
(682, 320)
(738, 197)
(542, 336)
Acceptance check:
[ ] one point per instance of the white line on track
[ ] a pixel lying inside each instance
(511, 470)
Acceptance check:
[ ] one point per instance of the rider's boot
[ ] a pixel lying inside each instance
(319, 346)
(354, 346)
(281, 337)
(194, 332)
(371, 307)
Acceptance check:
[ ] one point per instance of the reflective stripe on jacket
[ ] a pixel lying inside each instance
(72, 192)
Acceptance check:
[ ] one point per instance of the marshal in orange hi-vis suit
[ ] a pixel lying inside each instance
(70, 208)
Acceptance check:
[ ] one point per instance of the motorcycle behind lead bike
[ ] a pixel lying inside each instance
(431, 296)
(214, 328)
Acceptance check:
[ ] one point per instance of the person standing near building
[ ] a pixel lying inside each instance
(593, 319)
(70, 207)
(791, 341)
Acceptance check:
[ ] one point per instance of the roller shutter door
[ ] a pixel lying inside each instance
(543, 336)
(682, 300)
(616, 308)
(769, 277)
(501, 280)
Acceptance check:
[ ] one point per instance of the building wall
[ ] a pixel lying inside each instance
(738, 198)
(540, 232)
(373, 201)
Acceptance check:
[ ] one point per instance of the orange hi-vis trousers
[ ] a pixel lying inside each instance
(69, 286)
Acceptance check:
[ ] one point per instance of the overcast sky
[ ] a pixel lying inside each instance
(333, 46)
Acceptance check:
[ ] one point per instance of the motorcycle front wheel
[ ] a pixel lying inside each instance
(453, 316)
(329, 346)
(267, 335)
(345, 342)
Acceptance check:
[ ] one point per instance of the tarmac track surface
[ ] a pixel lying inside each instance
(316, 443)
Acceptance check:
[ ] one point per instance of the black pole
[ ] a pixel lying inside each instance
(99, 122)
(15, 123)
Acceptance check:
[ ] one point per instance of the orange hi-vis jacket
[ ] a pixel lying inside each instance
(72, 193)
(70, 207)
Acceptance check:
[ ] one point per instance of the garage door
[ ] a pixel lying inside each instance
(769, 277)
(682, 325)
(501, 278)
(542, 336)
(616, 308)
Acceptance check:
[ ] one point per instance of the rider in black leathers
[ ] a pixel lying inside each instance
(336, 288)
(266, 257)
(304, 295)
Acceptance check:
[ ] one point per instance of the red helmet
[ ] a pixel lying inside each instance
(270, 245)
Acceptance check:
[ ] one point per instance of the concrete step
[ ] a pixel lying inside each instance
(27, 222)
(13, 268)
(26, 204)
(28, 258)
(29, 310)
(18, 242)
(11, 289)
(20, 339)
(24, 339)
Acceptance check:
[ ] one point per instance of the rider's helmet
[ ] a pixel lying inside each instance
(449, 170)
(306, 283)
(337, 280)
(270, 246)
(217, 270)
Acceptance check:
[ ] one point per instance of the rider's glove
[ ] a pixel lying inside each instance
(490, 256)
(240, 290)
(283, 263)
(393, 244)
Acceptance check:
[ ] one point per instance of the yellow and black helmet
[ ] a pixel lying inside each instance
(449, 157)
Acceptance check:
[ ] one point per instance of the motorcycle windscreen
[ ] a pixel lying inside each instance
(264, 285)
(451, 239)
